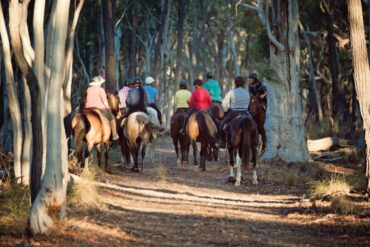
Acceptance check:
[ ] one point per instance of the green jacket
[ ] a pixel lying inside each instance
(214, 89)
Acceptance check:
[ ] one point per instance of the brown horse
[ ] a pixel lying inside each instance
(218, 114)
(139, 129)
(259, 115)
(201, 128)
(90, 126)
(242, 137)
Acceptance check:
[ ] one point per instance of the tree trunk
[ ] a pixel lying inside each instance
(14, 108)
(361, 70)
(110, 66)
(337, 97)
(15, 11)
(180, 41)
(53, 190)
(132, 52)
(159, 40)
(27, 137)
(285, 123)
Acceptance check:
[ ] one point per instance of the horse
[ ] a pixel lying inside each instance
(201, 128)
(259, 115)
(176, 124)
(242, 138)
(139, 129)
(89, 126)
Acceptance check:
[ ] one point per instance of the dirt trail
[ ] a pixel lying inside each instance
(172, 206)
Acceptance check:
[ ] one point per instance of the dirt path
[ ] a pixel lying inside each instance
(171, 206)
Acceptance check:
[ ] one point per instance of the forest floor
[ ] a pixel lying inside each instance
(181, 206)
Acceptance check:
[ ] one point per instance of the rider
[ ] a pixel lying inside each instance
(123, 94)
(96, 97)
(213, 87)
(236, 102)
(137, 99)
(153, 96)
(182, 97)
(258, 89)
(199, 100)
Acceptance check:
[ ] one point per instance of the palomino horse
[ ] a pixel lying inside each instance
(176, 124)
(259, 115)
(242, 137)
(139, 129)
(201, 128)
(90, 126)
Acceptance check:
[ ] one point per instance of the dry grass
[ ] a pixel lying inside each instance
(334, 186)
(15, 202)
(84, 193)
(159, 171)
(341, 205)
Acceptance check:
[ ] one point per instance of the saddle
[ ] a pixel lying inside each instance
(226, 126)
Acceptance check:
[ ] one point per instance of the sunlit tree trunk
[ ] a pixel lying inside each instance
(180, 41)
(361, 70)
(53, 191)
(14, 108)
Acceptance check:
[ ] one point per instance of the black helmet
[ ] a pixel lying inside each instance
(127, 82)
(198, 82)
(135, 80)
(253, 75)
(239, 81)
(209, 74)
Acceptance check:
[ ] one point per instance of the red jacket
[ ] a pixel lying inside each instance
(200, 99)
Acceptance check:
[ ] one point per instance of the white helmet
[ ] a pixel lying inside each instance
(149, 80)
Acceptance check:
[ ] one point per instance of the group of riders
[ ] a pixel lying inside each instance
(135, 97)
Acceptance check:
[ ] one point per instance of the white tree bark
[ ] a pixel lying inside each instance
(27, 138)
(53, 189)
(361, 71)
(14, 108)
(285, 124)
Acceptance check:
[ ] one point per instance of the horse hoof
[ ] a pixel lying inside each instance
(231, 180)
(255, 182)
(135, 169)
(237, 184)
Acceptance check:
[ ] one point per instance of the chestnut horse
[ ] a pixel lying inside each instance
(139, 129)
(201, 128)
(90, 126)
(259, 115)
(242, 138)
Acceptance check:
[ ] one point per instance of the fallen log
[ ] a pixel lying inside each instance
(322, 144)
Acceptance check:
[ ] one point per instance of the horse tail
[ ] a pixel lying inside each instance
(207, 126)
(149, 125)
(248, 127)
(81, 125)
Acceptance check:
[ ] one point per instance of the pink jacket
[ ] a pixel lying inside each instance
(122, 94)
(96, 97)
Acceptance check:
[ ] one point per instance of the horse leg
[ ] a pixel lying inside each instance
(88, 153)
(261, 129)
(254, 161)
(175, 141)
(106, 153)
(194, 144)
(135, 154)
(143, 149)
(203, 156)
(239, 171)
(98, 148)
(231, 163)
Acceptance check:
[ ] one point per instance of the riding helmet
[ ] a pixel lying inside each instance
(253, 75)
(127, 82)
(198, 82)
(135, 80)
(209, 74)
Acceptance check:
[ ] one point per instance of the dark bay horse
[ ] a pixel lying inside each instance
(139, 129)
(259, 115)
(90, 126)
(201, 128)
(176, 124)
(242, 138)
